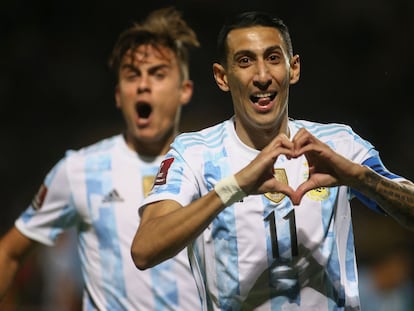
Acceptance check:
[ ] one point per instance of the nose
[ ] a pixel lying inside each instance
(262, 78)
(144, 84)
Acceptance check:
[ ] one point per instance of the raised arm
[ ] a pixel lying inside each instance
(166, 227)
(328, 168)
(14, 248)
(395, 198)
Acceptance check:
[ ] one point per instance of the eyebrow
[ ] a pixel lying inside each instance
(274, 48)
(268, 50)
(151, 69)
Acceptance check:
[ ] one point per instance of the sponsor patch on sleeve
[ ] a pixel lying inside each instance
(39, 197)
(161, 177)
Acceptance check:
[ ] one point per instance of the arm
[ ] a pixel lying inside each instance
(395, 198)
(14, 247)
(328, 168)
(53, 196)
(166, 227)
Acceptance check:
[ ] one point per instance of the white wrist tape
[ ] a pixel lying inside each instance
(229, 190)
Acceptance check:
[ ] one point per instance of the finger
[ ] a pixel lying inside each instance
(281, 188)
(281, 140)
(296, 198)
(287, 190)
(308, 146)
(287, 152)
(305, 187)
(297, 195)
(301, 139)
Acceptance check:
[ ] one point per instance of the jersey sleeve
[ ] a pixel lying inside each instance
(51, 211)
(175, 180)
(365, 153)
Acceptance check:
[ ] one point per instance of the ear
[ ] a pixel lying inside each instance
(220, 77)
(117, 97)
(294, 69)
(186, 92)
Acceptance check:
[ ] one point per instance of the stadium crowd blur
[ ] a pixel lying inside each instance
(56, 93)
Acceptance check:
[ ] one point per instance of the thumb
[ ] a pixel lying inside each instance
(296, 196)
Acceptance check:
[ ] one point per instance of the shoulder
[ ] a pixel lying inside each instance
(100, 147)
(97, 155)
(340, 137)
(206, 138)
(324, 131)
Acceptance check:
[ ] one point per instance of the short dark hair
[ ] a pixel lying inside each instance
(162, 28)
(250, 19)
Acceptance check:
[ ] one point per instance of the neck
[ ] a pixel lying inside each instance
(260, 137)
(151, 147)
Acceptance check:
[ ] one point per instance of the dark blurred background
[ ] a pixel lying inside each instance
(56, 92)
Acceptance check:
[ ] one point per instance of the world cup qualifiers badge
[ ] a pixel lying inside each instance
(39, 198)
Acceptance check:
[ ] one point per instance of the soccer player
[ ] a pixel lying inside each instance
(262, 200)
(97, 188)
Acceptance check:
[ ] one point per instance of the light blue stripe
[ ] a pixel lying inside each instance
(166, 290)
(212, 138)
(66, 219)
(329, 250)
(317, 128)
(99, 182)
(162, 276)
(224, 235)
(329, 132)
(350, 256)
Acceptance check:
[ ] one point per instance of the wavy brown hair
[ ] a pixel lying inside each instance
(162, 28)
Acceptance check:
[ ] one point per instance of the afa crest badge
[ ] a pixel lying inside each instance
(280, 175)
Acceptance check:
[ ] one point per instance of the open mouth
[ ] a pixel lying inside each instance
(143, 110)
(268, 96)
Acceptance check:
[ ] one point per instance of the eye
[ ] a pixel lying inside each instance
(131, 76)
(159, 74)
(274, 58)
(244, 61)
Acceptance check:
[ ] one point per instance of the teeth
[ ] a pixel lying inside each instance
(263, 95)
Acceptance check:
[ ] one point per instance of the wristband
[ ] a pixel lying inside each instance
(229, 190)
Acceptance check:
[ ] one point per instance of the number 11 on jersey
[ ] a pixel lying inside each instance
(290, 218)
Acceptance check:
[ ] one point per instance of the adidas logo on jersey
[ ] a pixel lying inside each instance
(112, 196)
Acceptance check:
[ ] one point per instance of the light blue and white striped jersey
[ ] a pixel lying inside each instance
(97, 190)
(263, 253)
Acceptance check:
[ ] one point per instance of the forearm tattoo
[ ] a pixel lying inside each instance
(397, 199)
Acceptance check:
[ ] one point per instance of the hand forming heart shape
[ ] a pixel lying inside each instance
(327, 168)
